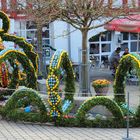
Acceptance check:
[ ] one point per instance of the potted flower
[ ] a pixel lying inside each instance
(101, 87)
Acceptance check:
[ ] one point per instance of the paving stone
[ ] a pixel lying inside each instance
(14, 131)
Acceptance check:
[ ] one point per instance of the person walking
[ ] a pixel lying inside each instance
(114, 60)
(126, 51)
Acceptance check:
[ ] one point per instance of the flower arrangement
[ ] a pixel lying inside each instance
(100, 83)
(101, 87)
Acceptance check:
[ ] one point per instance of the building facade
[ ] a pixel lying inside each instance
(101, 42)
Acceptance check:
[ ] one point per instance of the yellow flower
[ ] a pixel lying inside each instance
(100, 83)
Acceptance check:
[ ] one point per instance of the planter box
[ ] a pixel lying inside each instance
(102, 91)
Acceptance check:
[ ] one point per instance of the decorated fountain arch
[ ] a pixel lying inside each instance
(21, 42)
(25, 98)
(23, 59)
(59, 61)
(126, 62)
(27, 58)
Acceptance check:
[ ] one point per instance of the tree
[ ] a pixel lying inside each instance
(86, 15)
(41, 12)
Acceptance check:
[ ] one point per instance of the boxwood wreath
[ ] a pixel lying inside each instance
(7, 54)
(60, 60)
(111, 105)
(19, 100)
(126, 62)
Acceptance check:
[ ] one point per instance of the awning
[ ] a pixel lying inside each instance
(128, 24)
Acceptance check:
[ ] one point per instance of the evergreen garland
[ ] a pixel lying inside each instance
(126, 62)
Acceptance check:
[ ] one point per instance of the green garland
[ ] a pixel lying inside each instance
(31, 66)
(27, 65)
(138, 115)
(22, 98)
(6, 22)
(59, 59)
(94, 101)
(126, 62)
(27, 48)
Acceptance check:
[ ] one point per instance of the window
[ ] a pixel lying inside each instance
(117, 3)
(132, 3)
(104, 58)
(30, 25)
(133, 36)
(133, 47)
(125, 35)
(46, 41)
(139, 47)
(45, 34)
(31, 34)
(28, 30)
(105, 48)
(21, 3)
(8, 4)
(123, 46)
(106, 36)
(94, 49)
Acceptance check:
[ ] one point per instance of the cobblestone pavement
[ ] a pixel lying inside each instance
(19, 131)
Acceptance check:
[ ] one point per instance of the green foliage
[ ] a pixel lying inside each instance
(128, 61)
(6, 22)
(73, 122)
(28, 59)
(14, 77)
(138, 115)
(17, 115)
(69, 79)
(27, 48)
(60, 61)
(27, 65)
(14, 81)
(21, 98)
(66, 122)
(94, 101)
